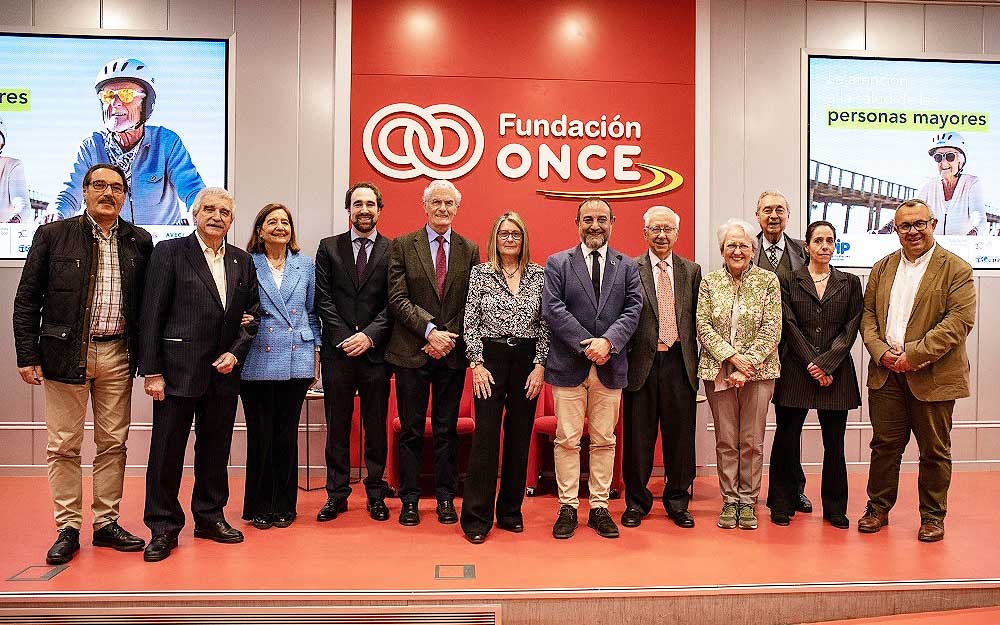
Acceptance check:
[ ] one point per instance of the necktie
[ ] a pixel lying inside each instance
(362, 263)
(440, 265)
(665, 305)
(595, 272)
(772, 254)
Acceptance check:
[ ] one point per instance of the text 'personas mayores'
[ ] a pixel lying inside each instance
(15, 99)
(890, 119)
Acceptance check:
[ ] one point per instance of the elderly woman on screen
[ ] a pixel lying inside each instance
(953, 195)
(739, 326)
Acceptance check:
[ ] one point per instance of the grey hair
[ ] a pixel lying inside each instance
(916, 202)
(777, 194)
(734, 224)
(441, 184)
(217, 193)
(653, 210)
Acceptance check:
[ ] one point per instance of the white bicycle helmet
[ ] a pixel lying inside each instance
(130, 69)
(947, 140)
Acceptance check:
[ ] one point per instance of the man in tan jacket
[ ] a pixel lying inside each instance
(920, 306)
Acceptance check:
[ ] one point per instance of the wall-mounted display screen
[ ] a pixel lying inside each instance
(885, 130)
(157, 108)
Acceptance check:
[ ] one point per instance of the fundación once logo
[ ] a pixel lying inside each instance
(423, 149)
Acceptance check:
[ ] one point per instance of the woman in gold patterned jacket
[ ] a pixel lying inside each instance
(739, 326)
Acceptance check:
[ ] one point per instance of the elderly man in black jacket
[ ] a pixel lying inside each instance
(75, 328)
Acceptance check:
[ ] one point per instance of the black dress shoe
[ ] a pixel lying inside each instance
(377, 510)
(802, 504)
(565, 525)
(282, 519)
(262, 521)
(840, 521)
(681, 518)
(112, 535)
(159, 547)
(632, 517)
(66, 545)
(475, 538)
(780, 518)
(409, 515)
(220, 532)
(446, 512)
(511, 525)
(600, 520)
(332, 507)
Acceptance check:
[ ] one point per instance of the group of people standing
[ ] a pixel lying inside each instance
(206, 323)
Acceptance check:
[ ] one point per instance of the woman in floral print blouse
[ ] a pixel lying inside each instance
(739, 326)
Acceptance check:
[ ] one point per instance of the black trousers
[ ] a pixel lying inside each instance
(665, 403)
(342, 379)
(272, 410)
(783, 486)
(413, 391)
(508, 407)
(213, 417)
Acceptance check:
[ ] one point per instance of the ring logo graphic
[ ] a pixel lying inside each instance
(423, 141)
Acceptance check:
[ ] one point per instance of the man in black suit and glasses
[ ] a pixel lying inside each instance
(352, 300)
(428, 283)
(191, 350)
(662, 375)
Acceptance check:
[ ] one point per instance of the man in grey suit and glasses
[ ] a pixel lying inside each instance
(779, 253)
(591, 301)
(662, 375)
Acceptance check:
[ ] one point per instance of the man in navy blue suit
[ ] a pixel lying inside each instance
(592, 301)
(191, 351)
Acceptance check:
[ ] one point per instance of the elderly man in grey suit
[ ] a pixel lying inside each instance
(592, 301)
(779, 253)
(662, 375)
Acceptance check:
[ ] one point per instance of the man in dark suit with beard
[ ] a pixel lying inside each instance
(428, 284)
(192, 346)
(662, 375)
(352, 300)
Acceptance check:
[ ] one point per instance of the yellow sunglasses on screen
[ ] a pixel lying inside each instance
(126, 95)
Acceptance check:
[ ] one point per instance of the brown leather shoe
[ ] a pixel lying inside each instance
(872, 521)
(931, 531)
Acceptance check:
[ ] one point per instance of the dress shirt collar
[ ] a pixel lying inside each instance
(602, 251)
(97, 227)
(205, 247)
(766, 245)
(432, 234)
(923, 259)
(654, 259)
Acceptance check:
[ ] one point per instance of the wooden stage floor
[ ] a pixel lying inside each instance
(355, 559)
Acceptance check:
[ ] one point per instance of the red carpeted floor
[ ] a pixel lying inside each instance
(355, 554)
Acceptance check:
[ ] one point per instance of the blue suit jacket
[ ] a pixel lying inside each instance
(574, 314)
(289, 333)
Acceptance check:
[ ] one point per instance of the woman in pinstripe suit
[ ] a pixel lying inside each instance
(821, 315)
(281, 366)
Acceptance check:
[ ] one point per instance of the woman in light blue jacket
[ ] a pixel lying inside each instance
(283, 363)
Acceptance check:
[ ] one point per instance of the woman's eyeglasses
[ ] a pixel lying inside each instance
(945, 156)
(126, 95)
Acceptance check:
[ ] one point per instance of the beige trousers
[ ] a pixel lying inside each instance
(109, 387)
(599, 406)
(740, 417)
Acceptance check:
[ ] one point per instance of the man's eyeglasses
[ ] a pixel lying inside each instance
(945, 156)
(920, 225)
(100, 186)
(125, 94)
(510, 236)
(655, 230)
